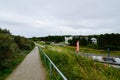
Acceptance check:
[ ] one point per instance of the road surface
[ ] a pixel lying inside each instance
(99, 58)
(30, 69)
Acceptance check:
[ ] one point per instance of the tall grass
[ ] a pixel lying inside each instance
(96, 51)
(76, 67)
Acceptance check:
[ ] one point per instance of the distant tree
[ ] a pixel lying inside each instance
(5, 31)
(83, 42)
(52, 39)
(111, 41)
(35, 38)
(73, 41)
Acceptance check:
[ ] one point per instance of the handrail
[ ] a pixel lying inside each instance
(51, 63)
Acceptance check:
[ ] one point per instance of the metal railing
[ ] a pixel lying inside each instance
(51, 64)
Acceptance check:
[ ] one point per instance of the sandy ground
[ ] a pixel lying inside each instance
(30, 69)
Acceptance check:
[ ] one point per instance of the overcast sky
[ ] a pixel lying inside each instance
(60, 17)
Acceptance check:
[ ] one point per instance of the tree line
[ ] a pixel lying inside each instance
(10, 46)
(104, 41)
(49, 38)
(111, 41)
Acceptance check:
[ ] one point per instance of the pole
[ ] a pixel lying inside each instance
(108, 52)
(77, 46)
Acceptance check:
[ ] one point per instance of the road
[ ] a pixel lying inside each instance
(99, 58)
(30, 69)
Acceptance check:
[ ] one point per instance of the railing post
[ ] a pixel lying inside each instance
(50, 70)
(44, 59)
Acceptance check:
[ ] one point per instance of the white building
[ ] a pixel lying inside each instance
(94, 40)
(67, 39)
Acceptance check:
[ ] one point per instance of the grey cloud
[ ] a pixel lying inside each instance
(45, 17)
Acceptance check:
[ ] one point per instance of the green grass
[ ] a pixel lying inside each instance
(84, 49)
(11, 64)
(76, 67)
(95, 51)
(42, 43)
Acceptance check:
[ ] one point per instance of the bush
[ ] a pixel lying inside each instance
(10, 51)
(23, 43)
(94, 46)
(8, 47)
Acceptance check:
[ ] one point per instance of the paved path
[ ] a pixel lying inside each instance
(30, 69)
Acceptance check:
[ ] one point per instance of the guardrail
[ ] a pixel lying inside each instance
(51, 64)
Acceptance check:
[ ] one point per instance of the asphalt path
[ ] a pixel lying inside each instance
(30, 69)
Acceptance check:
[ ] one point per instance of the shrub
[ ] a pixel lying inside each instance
(23, 43)
(8, 47)
(94, 46)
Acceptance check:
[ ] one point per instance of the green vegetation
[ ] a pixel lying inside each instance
(76, 67)
(49, 38)
(13, 49)
(111, 41)
(104, 41)
(98, 51)
(11, 64)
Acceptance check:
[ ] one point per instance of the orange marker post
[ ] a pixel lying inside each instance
(77, 46)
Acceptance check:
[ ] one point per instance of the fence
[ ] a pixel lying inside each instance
(52, 67)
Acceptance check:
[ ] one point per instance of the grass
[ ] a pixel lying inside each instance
(84, 49)
(94, 51)
(45, 65)
(76, 67)
(42, 43)
(11, 64)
